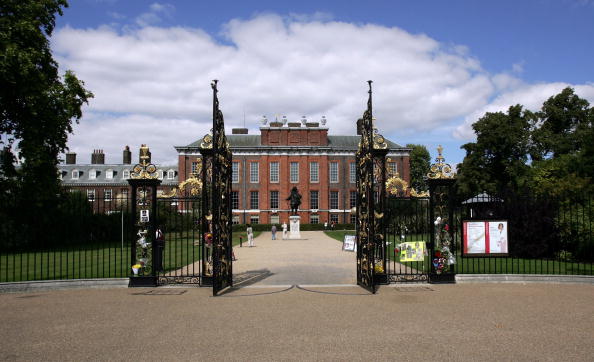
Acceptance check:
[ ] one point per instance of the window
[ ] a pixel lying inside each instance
(274, 200)
(92, 174)
(274, 219)
(170, 174)
(294, 177)
(334, 200)
(352, 172)
(254, 200)
(75, 174)
(314, 219)
(313, 200)
(353, 199)
(160, 174)
(194, 167)
(109, 174)
(314, 174)
(334, 218)
(235, 200)
(235, 219)
(91, 195)
(254, 172)
(353, 218)
(274, 172)
(126, 174)
(334, 172)
(124, 194)
(235, 172)
(254, 219)
(107, 194)
(392, 169)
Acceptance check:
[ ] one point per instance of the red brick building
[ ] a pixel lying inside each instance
(267, 166)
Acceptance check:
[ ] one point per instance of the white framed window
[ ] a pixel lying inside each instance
(274, 173)
(294, 172)
(353, 218)
(109, 174)
(353, 199)
(254, 219)
(126, 174)
(274, 200)
(91, 195)
(160, 174)
(333, 172)
(235, 172)
(313, 200)
(235, 219)
(254, 172)
(352, 172)
(334, 200)
(314, 172)
(194, 166)
(75, 174)
(107, 194)
(314, 219)
(274, 219)
(334, 218)
(254, 200)
(92, 174)
(170, 174)
(392, 169)
(123, 194)
(235, 200)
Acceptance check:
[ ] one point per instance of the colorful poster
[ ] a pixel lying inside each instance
(412, 251)
(485, 237)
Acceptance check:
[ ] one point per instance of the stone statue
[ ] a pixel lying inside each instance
(295, 199)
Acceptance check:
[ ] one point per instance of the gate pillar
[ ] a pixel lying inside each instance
(442, 245)
(144, 181)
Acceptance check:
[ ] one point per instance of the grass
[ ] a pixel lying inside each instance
(97, 260)
(339, 234)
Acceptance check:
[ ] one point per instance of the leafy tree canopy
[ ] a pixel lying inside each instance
(420, 162)
(37, 105)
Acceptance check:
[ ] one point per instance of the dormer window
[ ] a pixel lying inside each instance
(92, 174)
(170, 174)
(75, 174)
(160, 174)
(61, 174)
(109, 174)
(126, 174)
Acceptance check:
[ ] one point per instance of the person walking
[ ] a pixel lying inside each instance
(273, 232)
(160, 243)
(250, 235)
(284, 230)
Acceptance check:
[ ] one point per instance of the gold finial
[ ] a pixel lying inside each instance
(144, 169)
(440, 169)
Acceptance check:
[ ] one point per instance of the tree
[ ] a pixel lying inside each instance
(420, 163)
(497, 161)
(37, 104)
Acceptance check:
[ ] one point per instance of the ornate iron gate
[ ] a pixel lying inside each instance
(216, 202)
(371, 177)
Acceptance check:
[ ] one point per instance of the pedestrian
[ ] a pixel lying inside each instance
(250, 235)
(325, 225)
(284, 230)
(273, 232)
(332, 225)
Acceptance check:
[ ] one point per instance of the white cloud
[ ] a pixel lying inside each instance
(530, 96)
(155, 14)
(291, 66)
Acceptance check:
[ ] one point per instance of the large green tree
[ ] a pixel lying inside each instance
(37, 104)
(420, 163)
(497, 161)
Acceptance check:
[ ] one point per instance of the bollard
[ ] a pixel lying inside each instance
(240, 241)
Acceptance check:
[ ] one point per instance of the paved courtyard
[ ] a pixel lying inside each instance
(317, 259)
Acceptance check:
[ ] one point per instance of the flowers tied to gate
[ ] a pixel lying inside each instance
(443, 257)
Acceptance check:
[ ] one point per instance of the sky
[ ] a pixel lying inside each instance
(437, 66)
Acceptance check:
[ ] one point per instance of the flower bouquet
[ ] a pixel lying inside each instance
(136, 268)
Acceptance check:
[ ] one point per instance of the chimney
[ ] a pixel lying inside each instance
(239, 131)
(98, 157)
(127, 159)
(71, 158)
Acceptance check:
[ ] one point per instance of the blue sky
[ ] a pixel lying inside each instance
(439, 66)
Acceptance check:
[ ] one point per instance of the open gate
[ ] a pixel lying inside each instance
(370, 228)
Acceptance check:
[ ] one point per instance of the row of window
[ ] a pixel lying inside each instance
(110, 174)
(107, 194)
(314, 172)
(314, 197)
(275, 219)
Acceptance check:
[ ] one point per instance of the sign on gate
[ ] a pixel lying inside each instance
(349, 243)
(413, 251)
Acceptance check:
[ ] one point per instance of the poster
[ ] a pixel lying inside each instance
(412, 251)
(144, 216)
(485, 237)
(349, 243)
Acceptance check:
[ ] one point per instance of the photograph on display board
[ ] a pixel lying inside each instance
(485, 237)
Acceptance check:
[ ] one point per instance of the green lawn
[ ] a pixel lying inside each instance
(339, 234)
(97, 261)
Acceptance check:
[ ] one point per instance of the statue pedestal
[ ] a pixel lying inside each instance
(294, 222)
